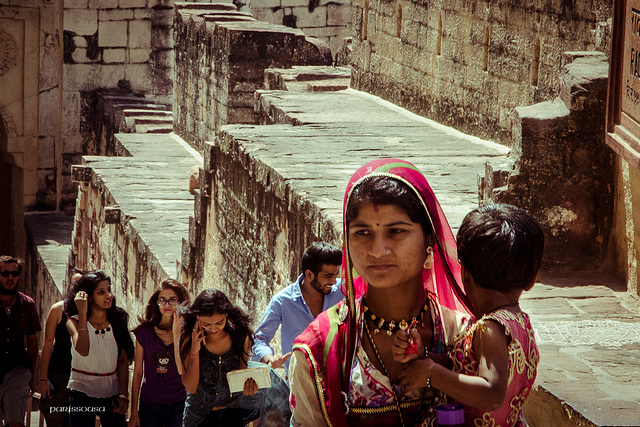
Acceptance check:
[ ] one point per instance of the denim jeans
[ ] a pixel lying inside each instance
(161, 415)
(83, 410)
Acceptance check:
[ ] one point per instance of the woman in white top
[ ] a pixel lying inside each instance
(101, 353)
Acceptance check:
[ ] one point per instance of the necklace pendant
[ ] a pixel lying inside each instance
(392, 326)
(404, 325)
(389, 332)
(375, 331)
(381, 323)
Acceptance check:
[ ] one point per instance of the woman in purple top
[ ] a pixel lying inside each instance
(157, 392)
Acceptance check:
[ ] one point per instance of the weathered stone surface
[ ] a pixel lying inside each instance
(585, 326)
(447, 59)
(561, 171)
(221, 64)
(151, 190)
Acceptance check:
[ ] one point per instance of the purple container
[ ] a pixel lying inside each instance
(450, 415)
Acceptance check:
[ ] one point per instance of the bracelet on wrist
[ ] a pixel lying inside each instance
(429, 375)
(122, 396)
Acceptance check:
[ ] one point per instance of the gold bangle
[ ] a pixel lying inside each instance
(85, 329)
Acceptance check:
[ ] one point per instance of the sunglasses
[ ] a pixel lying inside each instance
(7, 273)
(172, 301)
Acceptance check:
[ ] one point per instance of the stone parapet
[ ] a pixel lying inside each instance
(560, 170)
(467, 64)
(221, 56)
(45, 277)
(132, 214)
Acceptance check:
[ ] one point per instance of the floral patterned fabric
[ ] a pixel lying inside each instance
(523, 362)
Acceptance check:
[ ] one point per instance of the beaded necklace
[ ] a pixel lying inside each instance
(391, 326)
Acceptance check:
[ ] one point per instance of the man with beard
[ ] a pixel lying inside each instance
(297, 305)
(18, 319)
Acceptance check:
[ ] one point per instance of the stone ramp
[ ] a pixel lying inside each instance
(341, 131)
(587, 329)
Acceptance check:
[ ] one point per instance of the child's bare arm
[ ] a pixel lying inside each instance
(485, 391)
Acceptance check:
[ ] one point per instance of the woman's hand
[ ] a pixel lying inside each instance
(134, 421)
(416, 375)
(81, 303)
(123, 405)
(250, 387)
(401, 343)
(197, 338)
(43, 388)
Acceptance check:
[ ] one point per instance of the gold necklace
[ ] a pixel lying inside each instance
(386, 373)
(390, 326)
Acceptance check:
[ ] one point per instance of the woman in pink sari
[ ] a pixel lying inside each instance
(400, 271)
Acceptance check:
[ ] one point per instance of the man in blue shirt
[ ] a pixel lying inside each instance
(297, 305)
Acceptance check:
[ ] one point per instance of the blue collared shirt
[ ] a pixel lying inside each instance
(288, 308)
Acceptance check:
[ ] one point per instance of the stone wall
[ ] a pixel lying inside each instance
(467, 64)
(561, 171)
(104, 239)
(250, 227)
(109, 45)
(327, 20)
(624, 244)
(30, 105)
(221, 55)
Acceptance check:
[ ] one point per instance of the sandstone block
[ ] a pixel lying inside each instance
(112, 34)
(140, 77)
(80, 42)
(142, 13)
(140, 34)
(338, 15)
(46, 152)
(76, 4)
(72, 144)
(269, 15)
(114, 56)
(81, 22)
(80, 56)
(295, 3)
(132, 3)
(70, 113)
(137, 56)
(115, 14)
(103, 4)
(317, 18)
(162, 17)
(161, 38)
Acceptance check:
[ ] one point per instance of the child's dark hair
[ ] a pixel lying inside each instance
(385, 190)
(319, 254)
(501, 246)
(118, 318)
(152, 314)
(208, 303)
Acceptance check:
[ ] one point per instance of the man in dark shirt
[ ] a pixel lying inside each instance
(19, 323)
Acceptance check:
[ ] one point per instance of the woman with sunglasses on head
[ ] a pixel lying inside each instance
(102, 350)
(157, 393)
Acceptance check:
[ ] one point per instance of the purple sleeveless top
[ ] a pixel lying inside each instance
(162, 384)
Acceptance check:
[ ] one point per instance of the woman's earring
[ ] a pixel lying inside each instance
(428, 263)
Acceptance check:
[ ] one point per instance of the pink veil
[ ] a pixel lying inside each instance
(444, 279)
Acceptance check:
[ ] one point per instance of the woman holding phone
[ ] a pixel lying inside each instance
(216, 338)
